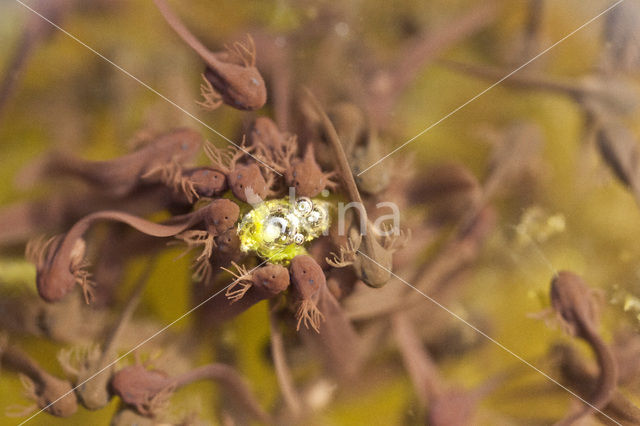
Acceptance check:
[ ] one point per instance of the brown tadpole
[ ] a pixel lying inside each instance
(582, 377)
(122, 175)
(248, 288)
(228, 244)
(362, 147)
(305, 175)
(219, 216)
(430, 277)
(371, 260)
(26, 219)
(308, 280)
(339, 342)
(363, 156)
(267, 281)
(215, 310)
(60, 261)
(50, 393)
(191, 184)
(246, 181)
(206, 181)
(302, 173)
(350, 124)
(274, 147)
(266, 134)
(148, 391)
(231, 76)
(577, 309)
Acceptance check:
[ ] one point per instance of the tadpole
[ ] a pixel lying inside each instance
(230, 76)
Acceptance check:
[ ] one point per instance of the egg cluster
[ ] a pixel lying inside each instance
(278, 229)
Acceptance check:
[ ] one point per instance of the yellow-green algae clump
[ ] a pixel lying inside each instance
(278, 229)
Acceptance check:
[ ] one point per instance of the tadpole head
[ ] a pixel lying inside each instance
(208, 182)
(61, 391)
(54, 276)
(573, 301)
(241, 87)
(222, 215)
(228, 241)
(54, 287)
(373, 274)
(136, 385)
(307, 178)
(247, 179)
(374, 262)
(306, 275)
(271, 278)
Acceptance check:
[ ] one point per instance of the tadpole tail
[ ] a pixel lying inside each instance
(290, 395)
(343, 167)
(185, 34)
(607, 379)
(521, 80)
(17, 360)
(96, 173)
(232, 381)
(150, 228)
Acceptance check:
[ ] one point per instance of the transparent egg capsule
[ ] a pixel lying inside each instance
(278, 229)
(279, 225)
(304, 206)
(317, 221)
(291, 229)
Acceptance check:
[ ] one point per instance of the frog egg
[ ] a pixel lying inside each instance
(304, 206)
(314, 216)
(298, 239)
(293, 227)
(275, 227)
(316, 221)
(280, 228)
